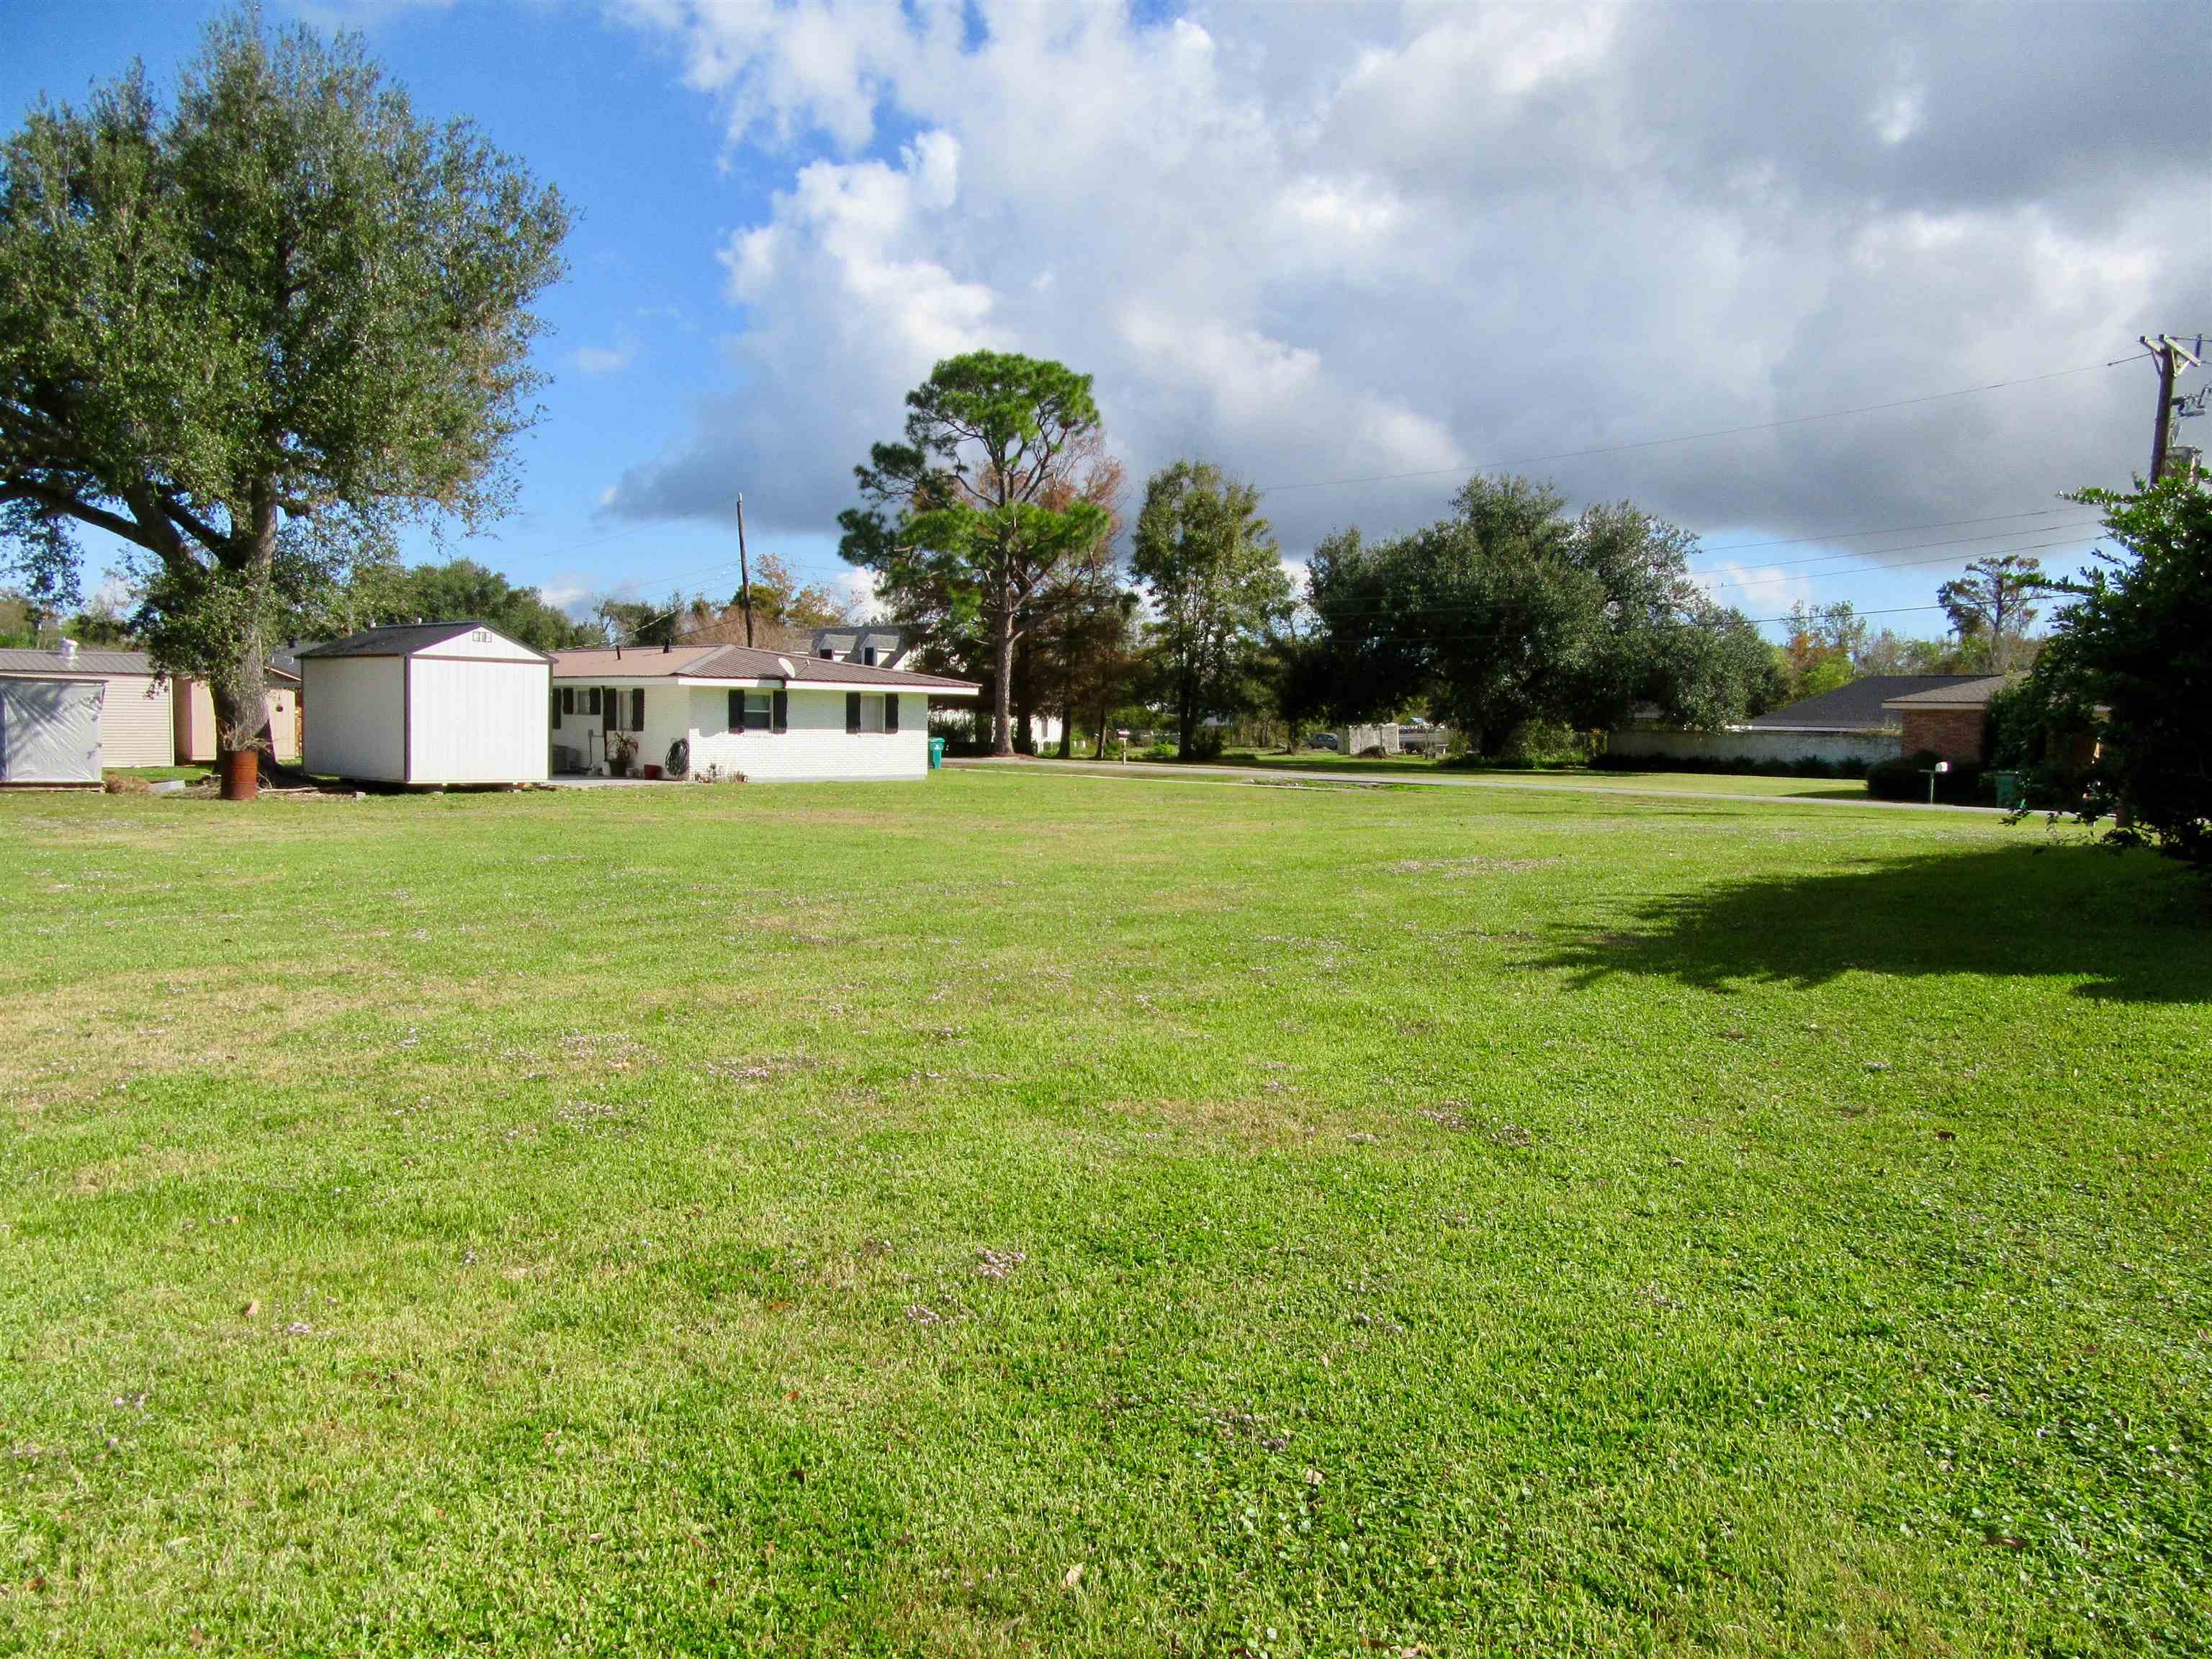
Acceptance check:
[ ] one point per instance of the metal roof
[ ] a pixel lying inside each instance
(399, 639)
(88, 664)
(1856, 706)
(740, 662)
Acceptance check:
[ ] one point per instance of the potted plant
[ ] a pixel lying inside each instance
(621, 750)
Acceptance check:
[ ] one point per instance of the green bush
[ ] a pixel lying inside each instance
(1907, 779)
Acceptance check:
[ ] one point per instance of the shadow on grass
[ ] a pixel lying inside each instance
(2130, 927)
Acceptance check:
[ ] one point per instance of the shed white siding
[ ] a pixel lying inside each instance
(357, 719)
(817, 746)
(49, 730)
(476, 719)
(137, 724)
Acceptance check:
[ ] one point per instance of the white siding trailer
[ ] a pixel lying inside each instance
(430, 703)
(732, 711)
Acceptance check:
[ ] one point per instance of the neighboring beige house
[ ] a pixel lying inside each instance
(136, 717)
(761, 714)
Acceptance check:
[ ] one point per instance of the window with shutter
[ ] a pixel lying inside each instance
(758, 709)
(891, 714)
(852, 711)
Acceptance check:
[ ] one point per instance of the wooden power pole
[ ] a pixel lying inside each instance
(2168, 354)
(746, 571)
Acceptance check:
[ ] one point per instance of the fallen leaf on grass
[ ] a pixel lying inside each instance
(1074, 1576)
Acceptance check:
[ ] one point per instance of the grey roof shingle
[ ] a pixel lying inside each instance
(399, 639)
(1856, 706)
(88, 664)
(1971, 694)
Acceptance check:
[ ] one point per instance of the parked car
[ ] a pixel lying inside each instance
(1322, 740)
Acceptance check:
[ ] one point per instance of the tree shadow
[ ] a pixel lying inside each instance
(2130, 927)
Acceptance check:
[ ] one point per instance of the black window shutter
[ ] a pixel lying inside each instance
(852, 711)
(557, 711)
(779, 721)
(567, 699)
(891, 713)
(637, 708)
(737, 711)
(610, 710)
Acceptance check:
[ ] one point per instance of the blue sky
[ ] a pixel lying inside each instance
(1355, 251)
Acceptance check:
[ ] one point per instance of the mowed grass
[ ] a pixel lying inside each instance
(1634, 783)
(1032, 1213)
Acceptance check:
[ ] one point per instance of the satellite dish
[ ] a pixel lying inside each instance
(789, 672)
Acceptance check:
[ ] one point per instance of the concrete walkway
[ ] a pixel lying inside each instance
(1284, 776)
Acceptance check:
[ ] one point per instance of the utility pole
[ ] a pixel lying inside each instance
(2168, 354)
(745, 571)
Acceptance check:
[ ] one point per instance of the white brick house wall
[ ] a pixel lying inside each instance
(817, 745)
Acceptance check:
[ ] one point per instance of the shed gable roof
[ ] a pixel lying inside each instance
(402, 640)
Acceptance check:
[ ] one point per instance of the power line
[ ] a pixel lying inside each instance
(1904, 564)
(1893, 530)
(1912, 547)
(1503, 633)
(1693, 437)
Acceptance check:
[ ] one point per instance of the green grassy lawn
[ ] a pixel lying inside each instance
(1023, 1213)
(1726, 783)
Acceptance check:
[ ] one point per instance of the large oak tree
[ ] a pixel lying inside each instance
(253, 332)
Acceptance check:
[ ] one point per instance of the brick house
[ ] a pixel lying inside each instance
(1949, 721)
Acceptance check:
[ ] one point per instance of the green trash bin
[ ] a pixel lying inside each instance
(2007, 784)
(936, 753)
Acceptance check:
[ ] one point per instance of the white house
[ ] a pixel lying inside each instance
(737, 710)
(454, 702)
(135, 713)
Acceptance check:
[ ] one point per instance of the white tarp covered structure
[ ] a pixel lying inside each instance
(50, 730)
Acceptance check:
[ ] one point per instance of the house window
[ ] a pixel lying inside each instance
(753, 711)
(872, 713)
(868, 656)
(828, 654)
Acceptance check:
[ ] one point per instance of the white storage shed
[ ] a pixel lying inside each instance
(50, 730)
(432, 703)
(134, 712)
